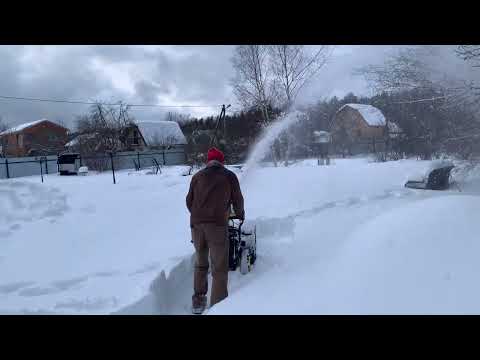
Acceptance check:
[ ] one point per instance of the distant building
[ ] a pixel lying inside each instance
(359, 128)
(138, 136)
(144, 135)
(41, 137)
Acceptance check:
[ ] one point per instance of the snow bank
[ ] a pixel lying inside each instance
(438, 164)
(422, 175)
(81, 245)
(418, 259)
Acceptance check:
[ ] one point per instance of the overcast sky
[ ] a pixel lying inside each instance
(168, 75)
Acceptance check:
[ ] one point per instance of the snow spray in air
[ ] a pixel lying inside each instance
(272, 132)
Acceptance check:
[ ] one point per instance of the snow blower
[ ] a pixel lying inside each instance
(243, 245)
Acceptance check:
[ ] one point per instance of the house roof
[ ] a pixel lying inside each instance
(22, 127)
(371, 114)
(77, 139)
(321, 132)
(161, 132)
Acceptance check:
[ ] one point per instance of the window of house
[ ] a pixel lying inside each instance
(135, 137)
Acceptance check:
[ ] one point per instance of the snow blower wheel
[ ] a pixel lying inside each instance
(242, 246)
(244, 262)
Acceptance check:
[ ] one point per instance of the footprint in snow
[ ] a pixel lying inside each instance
(38, 291)
(15, 286)
(15, 227)
(105, 273)
(68, 284)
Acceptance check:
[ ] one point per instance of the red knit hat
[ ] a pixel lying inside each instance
(215, 154)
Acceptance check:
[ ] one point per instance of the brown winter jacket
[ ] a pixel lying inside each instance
(212, 190)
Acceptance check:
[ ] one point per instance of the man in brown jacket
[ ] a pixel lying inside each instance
(212, 191)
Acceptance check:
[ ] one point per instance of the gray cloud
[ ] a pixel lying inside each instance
(185, 75)
(336, 78)
(148, 91)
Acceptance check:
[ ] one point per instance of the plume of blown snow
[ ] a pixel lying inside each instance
(269, 134)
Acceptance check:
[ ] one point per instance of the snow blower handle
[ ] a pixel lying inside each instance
(240, 225)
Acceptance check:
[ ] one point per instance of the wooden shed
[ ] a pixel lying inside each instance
(360, 128)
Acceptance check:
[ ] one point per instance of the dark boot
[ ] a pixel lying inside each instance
(199, 303)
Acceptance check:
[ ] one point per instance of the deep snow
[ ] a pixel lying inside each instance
(345, 238)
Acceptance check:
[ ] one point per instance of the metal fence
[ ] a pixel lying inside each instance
(40, 165)
(27, 166)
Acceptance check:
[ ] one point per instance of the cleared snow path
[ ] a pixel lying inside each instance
(171, 295)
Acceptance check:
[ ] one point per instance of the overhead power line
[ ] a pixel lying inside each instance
(108, 104)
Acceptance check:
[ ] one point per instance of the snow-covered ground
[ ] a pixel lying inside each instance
(345, 238)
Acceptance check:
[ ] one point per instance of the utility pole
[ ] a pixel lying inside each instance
(217, 125)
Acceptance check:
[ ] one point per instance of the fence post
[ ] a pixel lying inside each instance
(41, 169)
(138, 158)
(46, 165)
(113, 167)
(163, 154)
(6, 164)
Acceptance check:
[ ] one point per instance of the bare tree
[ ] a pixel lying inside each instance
(3, 125)
(470, 52)
(102, 130)
(293, 66)
(108, 122)
(404, 70)
(253, 84)
(3, 140)
(177, 117)
(273, 75)
(420, 70)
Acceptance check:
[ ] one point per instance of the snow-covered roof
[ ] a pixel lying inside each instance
(371, 114)
(73, 142)
(161, 132)
(21, 127)
(321, 133)
(77, 138)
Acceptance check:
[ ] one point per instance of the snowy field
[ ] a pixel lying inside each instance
(340, 239)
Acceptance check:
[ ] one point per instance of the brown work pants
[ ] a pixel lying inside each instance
(210, 238)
